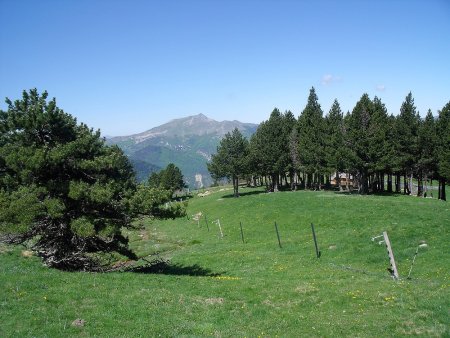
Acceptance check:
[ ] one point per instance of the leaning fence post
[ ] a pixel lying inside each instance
(220, 228)
(278, 235)
(206, 221)
(242, 232)
(315, 241)
(391, 255)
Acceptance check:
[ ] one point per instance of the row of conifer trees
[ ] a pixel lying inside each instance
(380, 151)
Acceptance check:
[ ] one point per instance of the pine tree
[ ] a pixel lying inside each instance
(312, 139)
(258, 163)
(443, 149)
(335, 148)
(270, 148)
(231, 158)
(360, 136)
(427, 142)
(407, 129)
(391, 158)
(287, 164)
(379, 144)
(294, 156)
(61, 188)
(170, 179)
(154, 180)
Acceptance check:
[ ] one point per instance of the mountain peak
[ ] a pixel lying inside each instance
(187, 142)
(197, 125)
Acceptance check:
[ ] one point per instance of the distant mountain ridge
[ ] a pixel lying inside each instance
(187, 142)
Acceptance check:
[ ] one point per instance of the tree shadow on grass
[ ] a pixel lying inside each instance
(379, 193)
(167, 268)
(385, 193)
(246, 193)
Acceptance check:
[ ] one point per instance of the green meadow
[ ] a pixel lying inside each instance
(199, 283)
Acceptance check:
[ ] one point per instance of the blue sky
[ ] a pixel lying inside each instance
(128, 66)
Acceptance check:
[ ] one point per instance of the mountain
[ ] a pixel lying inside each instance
(187, 142)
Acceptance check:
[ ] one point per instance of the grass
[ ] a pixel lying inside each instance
(222, 287)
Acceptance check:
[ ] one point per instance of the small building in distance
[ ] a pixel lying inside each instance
(347, 181)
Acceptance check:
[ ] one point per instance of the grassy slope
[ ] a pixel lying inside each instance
(222, 287)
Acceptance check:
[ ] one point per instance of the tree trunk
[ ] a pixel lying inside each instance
(363, 182)
(442, 195)
(389, 183)
(291, 178)
(425, 188)
(405, 184)
(275, 182)
(431, 186)
(420, 184)
(236, 185)
(439, 189)
(338, 180)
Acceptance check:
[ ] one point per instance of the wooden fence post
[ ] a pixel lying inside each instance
(220, 228)
(278, 235)
(242, 233)
(206, 221)
(315, 241)
(391, 255)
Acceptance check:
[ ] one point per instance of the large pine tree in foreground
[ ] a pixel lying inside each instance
(62, 190)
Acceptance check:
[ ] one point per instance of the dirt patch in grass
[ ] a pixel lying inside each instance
(79, 322)
(143, 235)
(4, 248)
(197, 216)
(306, 288)
(281, 304)
(269, 303)
(27, 253)
(412, 328)
(214, 301)
(122, 265)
